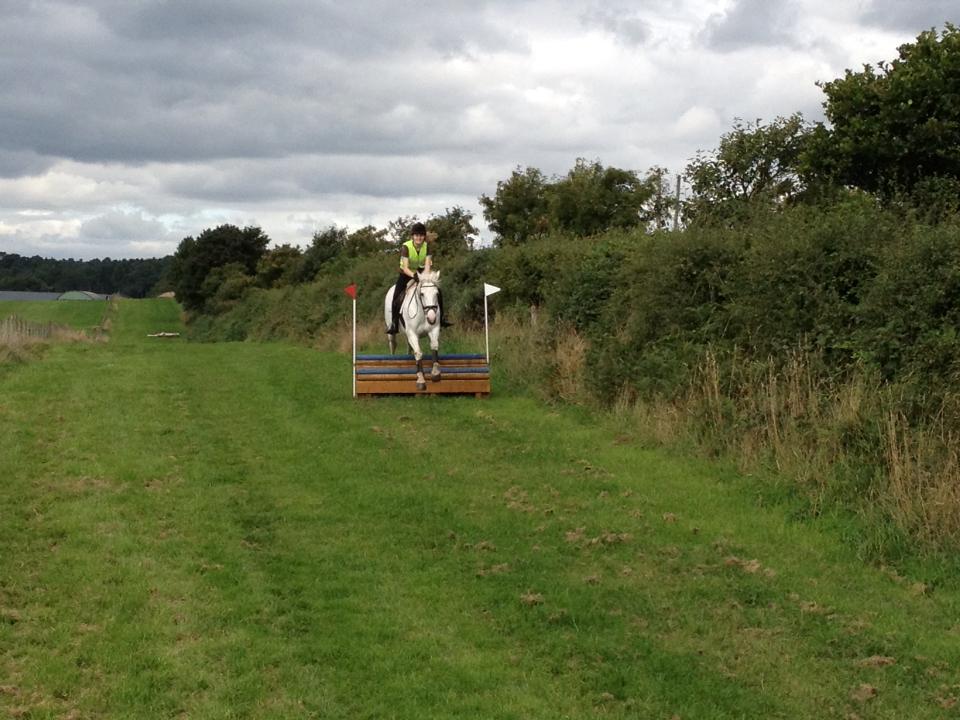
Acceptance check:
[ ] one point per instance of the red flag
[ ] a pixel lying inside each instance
(351, 290)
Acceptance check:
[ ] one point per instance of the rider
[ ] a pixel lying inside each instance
(414, 258)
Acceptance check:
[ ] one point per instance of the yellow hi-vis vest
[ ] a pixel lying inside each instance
(416, 260)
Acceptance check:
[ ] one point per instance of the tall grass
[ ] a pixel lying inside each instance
(922, 480)
(842, 440)
(21, 340)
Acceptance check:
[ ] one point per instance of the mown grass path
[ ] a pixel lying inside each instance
(219, 531)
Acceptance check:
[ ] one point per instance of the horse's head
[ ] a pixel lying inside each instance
(428, 288)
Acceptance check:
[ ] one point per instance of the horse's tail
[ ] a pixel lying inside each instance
(388, 307)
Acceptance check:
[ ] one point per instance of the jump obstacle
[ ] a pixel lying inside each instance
(397, 375)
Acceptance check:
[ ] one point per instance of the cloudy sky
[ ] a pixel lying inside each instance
(126, 125)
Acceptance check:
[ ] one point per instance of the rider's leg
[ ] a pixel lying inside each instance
(398, 292)
(443, 316)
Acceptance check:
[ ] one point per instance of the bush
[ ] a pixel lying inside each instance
(911, 312)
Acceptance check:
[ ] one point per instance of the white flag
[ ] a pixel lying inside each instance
(489, 290)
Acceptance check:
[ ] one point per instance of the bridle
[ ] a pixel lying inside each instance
(425, 284)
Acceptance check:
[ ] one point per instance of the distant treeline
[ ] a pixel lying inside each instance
(133, 277)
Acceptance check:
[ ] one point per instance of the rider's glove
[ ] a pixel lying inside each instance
(416, 277)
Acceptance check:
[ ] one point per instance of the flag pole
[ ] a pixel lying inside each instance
(351, 290)
(486, 327)
(488, 290)
(354, 347)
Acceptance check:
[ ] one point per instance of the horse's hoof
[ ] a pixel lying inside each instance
(436, 377)
(421, 386)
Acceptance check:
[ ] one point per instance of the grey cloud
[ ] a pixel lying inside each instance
(912, 16)
(178, 80)
(750, 23)
(355, 29)
(18, 163)
(628, 27)
(121, 226)
(310, 176)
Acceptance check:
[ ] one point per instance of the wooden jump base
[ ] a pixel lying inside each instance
(397, 375)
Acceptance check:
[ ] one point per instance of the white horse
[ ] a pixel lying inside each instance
(419, 316)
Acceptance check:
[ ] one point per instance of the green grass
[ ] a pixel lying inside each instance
(79, 314)
(220, 531)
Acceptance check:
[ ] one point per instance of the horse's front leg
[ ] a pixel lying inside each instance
(418, 356)
(435, 346)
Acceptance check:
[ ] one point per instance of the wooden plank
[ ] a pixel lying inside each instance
(427, 362)
(451, 357)
(386, 377)
(411, 371)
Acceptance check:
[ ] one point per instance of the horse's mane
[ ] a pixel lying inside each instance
(432, 277)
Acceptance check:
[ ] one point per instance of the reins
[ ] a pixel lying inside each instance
(425, 284)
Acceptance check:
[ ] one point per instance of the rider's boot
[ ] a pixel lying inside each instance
(395, 310)
(395, 323)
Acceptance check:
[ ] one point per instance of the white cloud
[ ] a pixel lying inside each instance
(697, 121)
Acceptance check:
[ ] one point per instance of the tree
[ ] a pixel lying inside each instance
(224, 287)
(130, 277)
(659, 207)
(368, 240)
(452, 233)
(196, 258)
(592, 198)
(325, 245)
(279, 266)
(399, 229)
(756, 165)
(588, 200)
(895, 129)
(518, 211)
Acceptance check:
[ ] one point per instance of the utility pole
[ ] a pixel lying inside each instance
(658, 211)
(676, 208)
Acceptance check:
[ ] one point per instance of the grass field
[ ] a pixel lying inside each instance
(79, 314)
(219, 531)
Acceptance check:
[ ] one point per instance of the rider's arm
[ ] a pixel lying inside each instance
(427, 263)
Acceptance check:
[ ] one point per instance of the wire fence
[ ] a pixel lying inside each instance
(15, 331)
